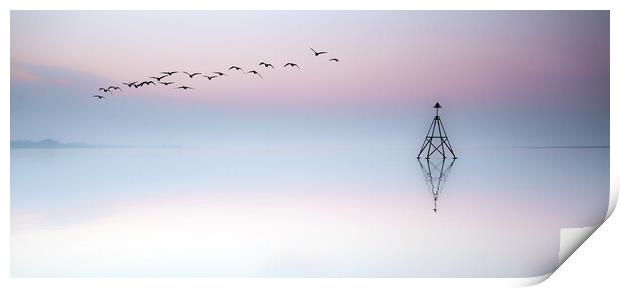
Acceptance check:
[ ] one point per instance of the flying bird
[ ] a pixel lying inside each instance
(267, 65)
(130, 83)
(318, 53)
(334, 59)
(115, 88)
(166, 83)
(169, 73)
(219, 74)
(145, 82)
(192, 74)
(210, 77)
(256, 73)
(98, 96)
(159, 78)
(235, 67)
(105, 90)
(184, 87)
(292, 65)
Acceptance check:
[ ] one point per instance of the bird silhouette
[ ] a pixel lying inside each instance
(184, 87)
(137, 84)
(130, 83)
(292, 65)
(145, 82)
(267, 65)
(317, 53)
(192, 74)
(254, 72)
(159, 78)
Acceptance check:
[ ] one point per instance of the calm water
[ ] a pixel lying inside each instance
(343, 209)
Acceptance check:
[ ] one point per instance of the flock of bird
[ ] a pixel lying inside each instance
(160, 79)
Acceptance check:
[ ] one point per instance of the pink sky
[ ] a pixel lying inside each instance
(463, 56)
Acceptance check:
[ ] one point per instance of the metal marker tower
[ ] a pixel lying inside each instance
(436, 138)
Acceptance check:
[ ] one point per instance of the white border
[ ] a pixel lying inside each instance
(568, 277)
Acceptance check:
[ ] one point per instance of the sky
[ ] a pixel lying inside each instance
(504, 78)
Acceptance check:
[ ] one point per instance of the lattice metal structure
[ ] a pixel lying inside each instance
(436, 175)
(436, 138)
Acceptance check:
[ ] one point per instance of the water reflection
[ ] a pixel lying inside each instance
(298, 211)
(436, 172)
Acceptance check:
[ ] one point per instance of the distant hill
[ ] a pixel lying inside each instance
(48, 144)
(54, 144)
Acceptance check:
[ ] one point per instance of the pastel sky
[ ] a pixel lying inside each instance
(522, 70)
